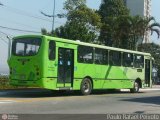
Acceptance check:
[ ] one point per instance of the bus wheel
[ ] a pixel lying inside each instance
(136, 88)
(86, 86)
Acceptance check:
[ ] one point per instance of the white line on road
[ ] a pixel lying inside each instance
(6, 101)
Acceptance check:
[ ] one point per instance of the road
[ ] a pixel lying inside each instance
(35, 101)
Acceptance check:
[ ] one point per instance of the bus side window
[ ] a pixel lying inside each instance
(52, 49)
(127, 59)
(138, 61)
(115, 58)
(85, 54)
(101, 56)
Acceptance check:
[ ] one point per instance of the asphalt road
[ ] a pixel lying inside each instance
(100, 102)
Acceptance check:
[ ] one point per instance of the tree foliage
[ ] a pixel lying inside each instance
(119, 29)
(110, 25)
(109, 11)
(71, 5)
(154, 50)
(138, 28)
(82, 22)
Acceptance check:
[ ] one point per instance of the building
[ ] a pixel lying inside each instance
(139, 7)
(142, 8)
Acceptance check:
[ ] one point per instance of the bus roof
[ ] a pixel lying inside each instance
(83, 43)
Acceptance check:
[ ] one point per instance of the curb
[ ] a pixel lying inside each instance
(141, 90)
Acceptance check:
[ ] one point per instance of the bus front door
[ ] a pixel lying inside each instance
(65, 67)
(147, 73)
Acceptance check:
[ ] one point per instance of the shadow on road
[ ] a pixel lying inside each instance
(41, 93)
(150, 100)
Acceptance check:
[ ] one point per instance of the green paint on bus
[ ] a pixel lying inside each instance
(60, 64)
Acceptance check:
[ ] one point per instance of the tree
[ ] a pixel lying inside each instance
(129, 31)
(139, 28)
(154, 50)
(151, 26)
(121, 32)
(109, 11)
(71, 5)
(82, 23)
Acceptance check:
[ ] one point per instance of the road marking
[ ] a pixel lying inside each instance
(7, 101)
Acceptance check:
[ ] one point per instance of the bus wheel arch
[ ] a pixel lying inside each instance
(86, 85)
(90, 80)
(136, 86)
(139, 81)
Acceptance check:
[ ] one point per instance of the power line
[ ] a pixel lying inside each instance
(6, 34)
(24, 13)
(20, 24)
(3, 33)
(20, 30)
(3, 40)
(53, 15)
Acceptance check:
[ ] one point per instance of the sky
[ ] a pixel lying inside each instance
(25, 15)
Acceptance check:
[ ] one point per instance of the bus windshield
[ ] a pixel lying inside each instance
(26, 46)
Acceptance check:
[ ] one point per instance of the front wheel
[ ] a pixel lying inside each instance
(136, 87)
(86, 86)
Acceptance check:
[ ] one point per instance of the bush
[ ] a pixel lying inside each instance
(4, 83)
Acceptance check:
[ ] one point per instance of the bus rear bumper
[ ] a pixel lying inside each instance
(47, 83)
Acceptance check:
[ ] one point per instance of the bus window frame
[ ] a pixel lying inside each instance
(124, 60)
(90, 61)
(54, 57)
(103, 62)
(120, 57)
(14, 48)
(141, 65)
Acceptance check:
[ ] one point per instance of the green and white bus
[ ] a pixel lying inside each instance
(60, 64)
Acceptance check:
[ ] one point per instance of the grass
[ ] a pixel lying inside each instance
(4, 83)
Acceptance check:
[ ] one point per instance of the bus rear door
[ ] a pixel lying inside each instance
(65, 68)
(147, 73)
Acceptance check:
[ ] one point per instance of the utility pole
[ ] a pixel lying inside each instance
(9, 46)
(53, 15)
(54, 7)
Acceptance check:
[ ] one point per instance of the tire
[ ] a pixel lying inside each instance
(86, 86)
(136, 87)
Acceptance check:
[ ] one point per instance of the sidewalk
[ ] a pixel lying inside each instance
(154, 88)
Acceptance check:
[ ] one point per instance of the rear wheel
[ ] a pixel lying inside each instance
(136, 88)
(86, 86)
